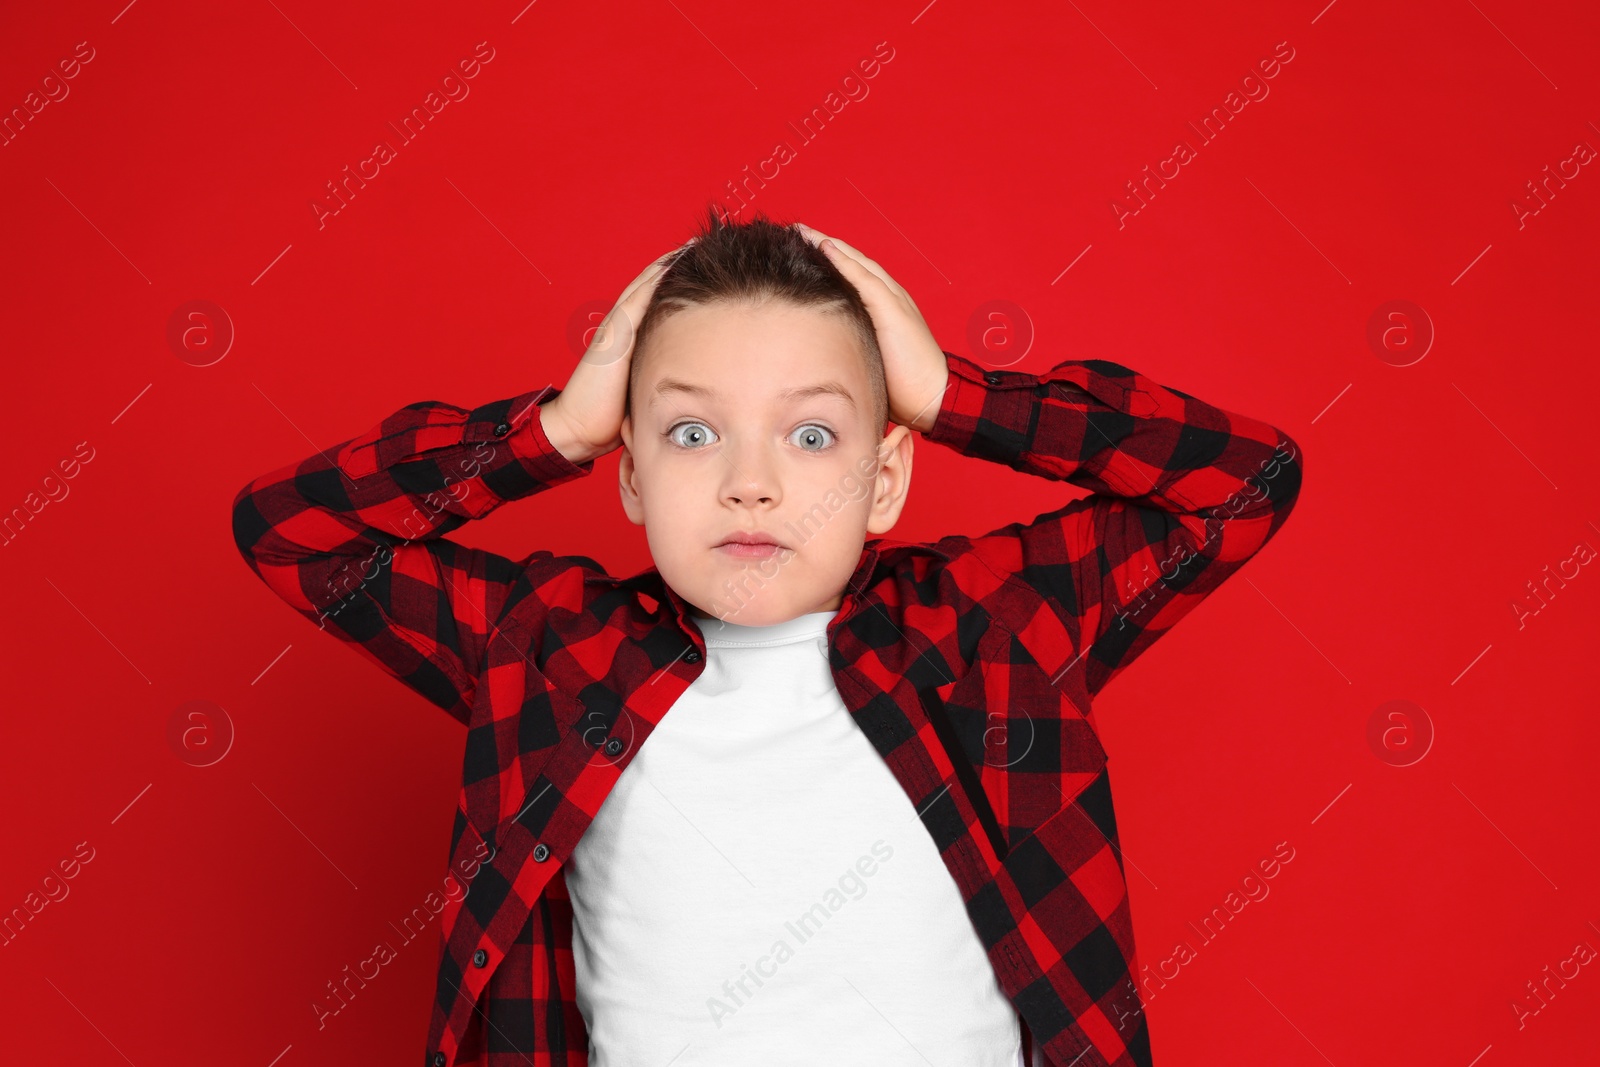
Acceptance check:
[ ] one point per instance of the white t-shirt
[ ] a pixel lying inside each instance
(758, 889)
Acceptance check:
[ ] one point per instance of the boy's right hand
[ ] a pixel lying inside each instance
(585, 420)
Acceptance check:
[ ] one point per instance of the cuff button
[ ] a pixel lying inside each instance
(502, 429)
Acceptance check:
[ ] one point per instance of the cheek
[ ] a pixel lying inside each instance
(834, 503)
(843, 488)
(679, 502)
(675, 503)
(853, 487)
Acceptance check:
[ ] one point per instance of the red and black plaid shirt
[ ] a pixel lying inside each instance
(970, 663)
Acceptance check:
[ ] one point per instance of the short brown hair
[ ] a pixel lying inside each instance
(731, 260)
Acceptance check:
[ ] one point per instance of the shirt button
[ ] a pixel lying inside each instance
(479, 958)
(613, 746)
(502, 429)
(541, 852)
(692, 657)
(992, 378)
(438, 1059)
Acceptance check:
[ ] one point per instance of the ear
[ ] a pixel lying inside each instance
(628, 476)
(893, 482)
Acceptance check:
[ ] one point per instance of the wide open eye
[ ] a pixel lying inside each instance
(699, 435)
(813, 437)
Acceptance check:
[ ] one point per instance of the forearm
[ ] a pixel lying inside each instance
(1119, 433)
(1183, 494)
(319, 529)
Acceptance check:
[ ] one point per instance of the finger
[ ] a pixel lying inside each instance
(816, 237)
(634, 302)
(873, 287)
(647, 278)
(614, 339)
(870, 264)
(656, 267)
(653, 273)
(668, 257)
(853, 255)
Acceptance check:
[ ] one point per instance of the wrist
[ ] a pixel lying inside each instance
(561, 437)
(925, 418)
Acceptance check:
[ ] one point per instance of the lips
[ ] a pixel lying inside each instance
(751, 545)
(749, 539)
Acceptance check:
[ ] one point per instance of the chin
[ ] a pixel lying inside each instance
(751, 612)
(747, 604)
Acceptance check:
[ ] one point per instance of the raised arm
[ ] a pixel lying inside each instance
(1183, 494)
(353, 538)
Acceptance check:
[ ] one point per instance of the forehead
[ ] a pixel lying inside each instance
(752, 354)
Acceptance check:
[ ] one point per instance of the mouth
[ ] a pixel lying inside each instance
(749, 546)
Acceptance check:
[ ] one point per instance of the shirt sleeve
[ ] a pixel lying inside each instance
(1182, 494)
(352, 537)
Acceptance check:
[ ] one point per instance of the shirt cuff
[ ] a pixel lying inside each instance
(515, 422)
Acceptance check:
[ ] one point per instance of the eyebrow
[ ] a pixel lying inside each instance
(802, 392)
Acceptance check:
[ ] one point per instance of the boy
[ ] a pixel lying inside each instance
(877, 825)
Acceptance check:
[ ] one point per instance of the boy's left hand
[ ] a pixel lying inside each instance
(914, 366)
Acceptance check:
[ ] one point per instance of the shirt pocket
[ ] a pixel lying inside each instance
(1029, 747)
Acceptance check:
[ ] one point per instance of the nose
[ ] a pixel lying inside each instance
(749, 479)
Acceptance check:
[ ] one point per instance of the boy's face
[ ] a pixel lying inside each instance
(730, 433)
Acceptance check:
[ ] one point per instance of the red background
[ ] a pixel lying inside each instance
(1383, 165)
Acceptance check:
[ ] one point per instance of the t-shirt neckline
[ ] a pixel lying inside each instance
(723, 634)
